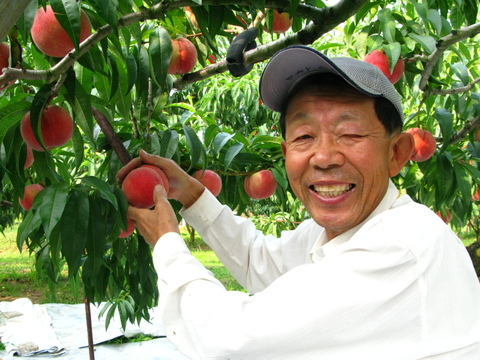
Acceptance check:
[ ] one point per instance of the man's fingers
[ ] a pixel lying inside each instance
(123, 172)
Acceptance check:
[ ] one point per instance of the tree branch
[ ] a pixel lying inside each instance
(112, 137)
(465, 130)
(453, 91)
(442, 45)
(324, 20)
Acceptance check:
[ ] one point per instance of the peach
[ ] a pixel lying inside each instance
(29, 159)
(56, 128)
(29, 193)
(476, 196)
(184, 56)
(49, 36)
(139, 186)
(477, 133)
(162, 175)
(210, 179)
(446, 216)
(260, 185)
(4, 56)
(129, 230)
(380, 60)
(281, 22)
(425, 144)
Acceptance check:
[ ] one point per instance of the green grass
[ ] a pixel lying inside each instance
(19, 278)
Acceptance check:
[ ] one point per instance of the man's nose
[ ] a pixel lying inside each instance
(327, 153)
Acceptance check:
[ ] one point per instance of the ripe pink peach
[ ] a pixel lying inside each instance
(210, 179)
(260, 185)
(425, 144)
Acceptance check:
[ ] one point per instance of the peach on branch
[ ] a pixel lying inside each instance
(129, 230)
(424, 144)
(4, 56)
(29, 159)
(476, 196)
(29, 193)
(281, 22)
(260, 185)
(477, 133)
(184, 56)
(139, 186)
(56, 128)
(50, 37)
(380, 60)
(162, 175)
(210, 179)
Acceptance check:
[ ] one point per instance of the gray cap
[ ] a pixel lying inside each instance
(292, 64)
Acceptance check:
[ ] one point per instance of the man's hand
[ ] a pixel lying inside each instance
(156, 222)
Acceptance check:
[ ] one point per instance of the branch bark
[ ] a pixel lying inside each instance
(112, 137)
(465, 130)
(442, 45)
(323, 21)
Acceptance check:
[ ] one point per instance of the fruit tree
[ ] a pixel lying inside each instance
(111, 78)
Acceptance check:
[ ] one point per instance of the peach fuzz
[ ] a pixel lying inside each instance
(139, 186)
(29, 193)
(184, 56)
(425, 144)
(281, 22)
(129, 230)
(260, 185)
(380, 60)
(210, 179)
(56, 128)
(49, 36)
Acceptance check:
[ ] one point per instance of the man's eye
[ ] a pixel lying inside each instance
(303, 137)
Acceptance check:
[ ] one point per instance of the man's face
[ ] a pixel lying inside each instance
(337, 156)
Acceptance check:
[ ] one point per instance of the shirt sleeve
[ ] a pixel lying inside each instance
(253, 258)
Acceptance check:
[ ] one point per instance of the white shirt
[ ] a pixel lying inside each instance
(398, 286)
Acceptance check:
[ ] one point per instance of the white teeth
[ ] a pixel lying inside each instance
(332, 190)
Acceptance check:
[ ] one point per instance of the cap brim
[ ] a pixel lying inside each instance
(292, 64)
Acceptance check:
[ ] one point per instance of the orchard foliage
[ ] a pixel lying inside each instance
(116, 87)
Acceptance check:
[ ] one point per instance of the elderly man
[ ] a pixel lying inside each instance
(372, 274)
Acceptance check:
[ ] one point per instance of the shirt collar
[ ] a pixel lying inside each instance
(322, 246)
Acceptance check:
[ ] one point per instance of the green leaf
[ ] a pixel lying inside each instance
(445, 120)
(67, 13)
(31, 222)
(436, 20)
(160, 53)
(54, 199)
(388, 24)
(461, 71)
(82, 110)
(114, 75)
(197, 151)
(169, 143)
(393, 52)
(103, 187)
(12, 114)
(428, 43)
(108, 11)
(74, 228)
(220, 141)
(231, 154)
(132, 70)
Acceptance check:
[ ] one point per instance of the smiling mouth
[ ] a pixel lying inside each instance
(332, 190)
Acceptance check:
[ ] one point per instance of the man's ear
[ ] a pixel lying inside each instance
(401, 149)
(284, 148)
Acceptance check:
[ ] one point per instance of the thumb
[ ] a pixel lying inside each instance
(159, 193)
